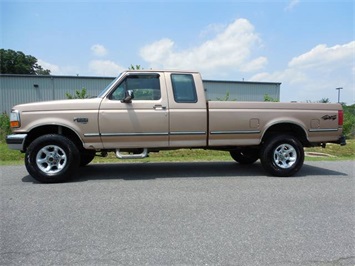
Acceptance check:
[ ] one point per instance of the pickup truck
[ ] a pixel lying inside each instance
(149, 111)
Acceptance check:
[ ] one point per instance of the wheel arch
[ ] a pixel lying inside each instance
(289, 128)
(53, 129)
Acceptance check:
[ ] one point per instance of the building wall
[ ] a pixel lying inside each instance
(17, 89)
(241, 90)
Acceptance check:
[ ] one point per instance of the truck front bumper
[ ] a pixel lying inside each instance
(16, 141)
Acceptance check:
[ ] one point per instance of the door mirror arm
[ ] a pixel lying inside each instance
(128, 97)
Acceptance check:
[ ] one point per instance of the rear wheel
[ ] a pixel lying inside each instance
(282, 155)
(52, 158)
(245, 155)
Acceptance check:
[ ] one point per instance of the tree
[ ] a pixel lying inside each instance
(78, 94)
(349, 120)
(324, 100)
(225, 97)
(12, 62)
(136, 67)
(268, 98)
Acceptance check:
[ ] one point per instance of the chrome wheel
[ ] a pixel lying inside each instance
(285, 156)
(51, 159)
(282, 155)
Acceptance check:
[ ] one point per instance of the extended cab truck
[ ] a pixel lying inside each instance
(148, 111)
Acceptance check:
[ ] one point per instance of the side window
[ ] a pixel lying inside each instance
(184, 88)
(144, 87)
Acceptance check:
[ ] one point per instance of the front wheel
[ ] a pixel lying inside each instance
(52, 158)
(282, 155)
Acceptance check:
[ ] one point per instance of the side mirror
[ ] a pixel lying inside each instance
(128, 96)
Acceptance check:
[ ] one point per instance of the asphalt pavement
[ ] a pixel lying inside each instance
(206, 213)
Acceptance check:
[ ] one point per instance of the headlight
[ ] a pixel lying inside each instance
(15, 120)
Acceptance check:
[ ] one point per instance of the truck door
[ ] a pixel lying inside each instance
(141, 122)
(187, 110)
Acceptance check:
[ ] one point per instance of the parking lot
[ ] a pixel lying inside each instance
(206, 213)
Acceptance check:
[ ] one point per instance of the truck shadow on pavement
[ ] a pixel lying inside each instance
(146, 171)
(141, 171)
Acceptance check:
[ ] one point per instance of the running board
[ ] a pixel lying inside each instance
(142, 155)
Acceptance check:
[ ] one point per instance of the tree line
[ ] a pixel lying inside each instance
(16, 62)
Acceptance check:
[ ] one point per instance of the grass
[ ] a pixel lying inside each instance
(9, 156)
(334, 152)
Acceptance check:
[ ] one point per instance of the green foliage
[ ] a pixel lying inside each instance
(349, 121)
(324, 100)
(226, 97)
(268, 98)
(336, 151)
(143, 94)
(78, 94)
(136, 67)
(12, 62)
(4, 126)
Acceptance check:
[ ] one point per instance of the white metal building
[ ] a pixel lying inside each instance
(16, 89)
(241, 90)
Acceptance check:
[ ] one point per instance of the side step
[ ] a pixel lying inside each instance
(142, 155)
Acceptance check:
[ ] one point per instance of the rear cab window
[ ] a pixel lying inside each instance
(184, 88)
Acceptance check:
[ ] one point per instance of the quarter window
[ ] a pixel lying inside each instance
(184, 88)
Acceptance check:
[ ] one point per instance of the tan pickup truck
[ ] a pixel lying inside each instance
(149, 111)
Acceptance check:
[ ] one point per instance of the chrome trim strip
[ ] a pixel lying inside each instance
(134, 134)
(173, 133)
(323, 130)
(184, 133)
(235, 132)
(90, 135)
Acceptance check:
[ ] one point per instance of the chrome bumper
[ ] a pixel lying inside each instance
(16, 141)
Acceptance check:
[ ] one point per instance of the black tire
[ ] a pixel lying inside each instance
(245, 155)
(52, 158)
(282, 155)
(86, 156)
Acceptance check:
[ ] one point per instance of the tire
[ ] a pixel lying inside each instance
(245, 155)
(52, 158)
(282, 155)
(86, 156)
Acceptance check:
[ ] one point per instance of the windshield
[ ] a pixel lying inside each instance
(103, 92)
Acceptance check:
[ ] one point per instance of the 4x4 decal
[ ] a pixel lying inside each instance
(329, 117)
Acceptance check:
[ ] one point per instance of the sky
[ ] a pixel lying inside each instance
(307, 45)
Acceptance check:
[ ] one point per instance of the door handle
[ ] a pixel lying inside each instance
(159, 107)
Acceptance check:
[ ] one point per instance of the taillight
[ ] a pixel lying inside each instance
(340, 117)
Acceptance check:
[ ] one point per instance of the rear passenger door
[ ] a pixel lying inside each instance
(187, 110)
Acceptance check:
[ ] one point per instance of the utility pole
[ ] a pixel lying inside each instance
(338, 89)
